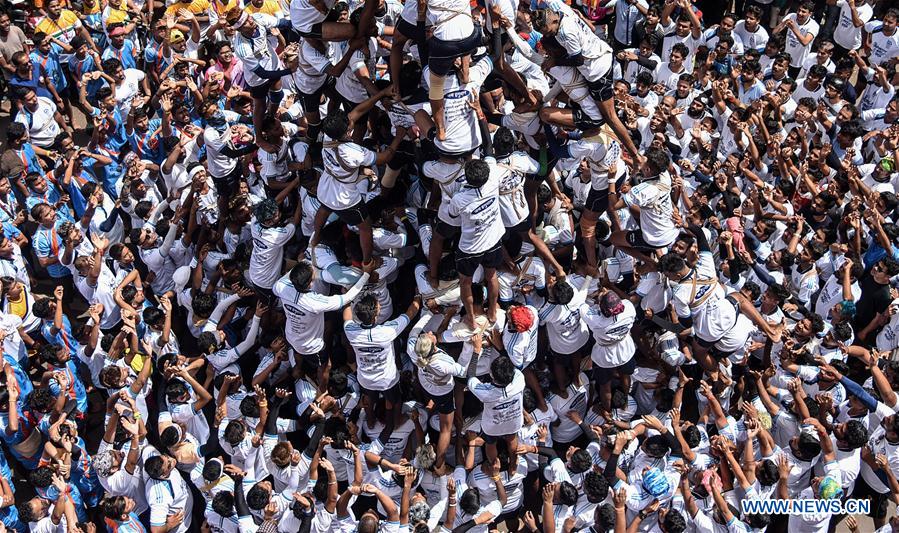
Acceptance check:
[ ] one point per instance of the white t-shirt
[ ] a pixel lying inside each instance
(268, 252)
(512, 203)
(502, 406)
(653, 197)
(756, 40)
(338, 187)
(883, 46)
(478, 210)
(128, 89)
(614, 344)
(846, 34)
(259, 50)
(306, 313)
(796, 49)
(375, 358)
(41, 125)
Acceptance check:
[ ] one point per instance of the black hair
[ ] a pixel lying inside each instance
(153, 467)
(336, 124)
(856, 434)
(671, 262)
(223, 503)
(596, 487)
(470, 501)
(768, 473)
(301, 275)
(503, 142)
(235, 432)
(366, 310)
(257, 498)
(656, 446)
(169, 437)
(581, 461)
(477, 172)
(502, 370)
(568, 493)
(674, 522)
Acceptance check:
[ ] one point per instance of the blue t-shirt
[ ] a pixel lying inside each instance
(51, 67)
(48, 243)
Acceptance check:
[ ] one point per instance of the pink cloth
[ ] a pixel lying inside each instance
(735, 227)
(233, 72)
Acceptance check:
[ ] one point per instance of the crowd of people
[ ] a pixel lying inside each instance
(448, 265)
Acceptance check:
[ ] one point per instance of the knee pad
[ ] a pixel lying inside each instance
(389, 178)
(275, 97)
(435, 86)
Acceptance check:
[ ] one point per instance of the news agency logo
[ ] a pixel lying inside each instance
(805, 507)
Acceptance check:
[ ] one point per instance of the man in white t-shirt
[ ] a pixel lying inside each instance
(373, 345)
(477, 205)
(305, 310)
(801, 31)
(41, 118)
(502, 398)
(653, 196)
(848, 33)
(341, 186)
(883, 38)
(269, 240)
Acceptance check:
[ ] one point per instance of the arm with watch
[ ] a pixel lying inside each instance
(642, 515)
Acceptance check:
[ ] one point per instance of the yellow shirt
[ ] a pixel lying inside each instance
(222, 8)
(269, 7)
(197, 7)
(64, 29)
(19, 307)
(116, 13)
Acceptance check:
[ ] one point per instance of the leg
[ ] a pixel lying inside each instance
(343, 31)
(446, 427)
(544, 252)
(435, 252)
(492, 292)
(321, 216)
(530, 379)
(396, 56)
(468, 299)
(365, 240)
(607, 108)
(619, 239)
(588, 235)
(435, 93)
(748, 309)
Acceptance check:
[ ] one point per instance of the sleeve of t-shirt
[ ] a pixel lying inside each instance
(398, 324)
(158, 514)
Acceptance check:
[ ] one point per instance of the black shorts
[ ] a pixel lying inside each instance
(604, 375)
(444, 404)
(444, 53)
(391, 395)
(409, 30)
(353, 216)
(317, 359)
(264, 295)
(229, 184)
(597, 201)
(583, 121)
(635, 240)
(447, 231)
(261, 91)
(315, 32)
(466, 264)
(601, 89)
(311, 102)
(521, 227)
